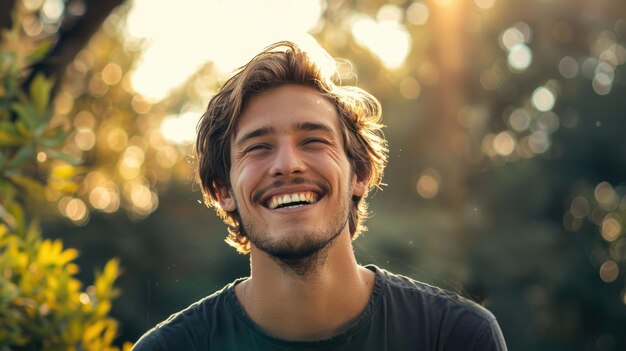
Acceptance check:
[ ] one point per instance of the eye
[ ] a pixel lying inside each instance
(256, 148)
(314, 141)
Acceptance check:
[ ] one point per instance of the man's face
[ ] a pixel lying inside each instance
(291, 181)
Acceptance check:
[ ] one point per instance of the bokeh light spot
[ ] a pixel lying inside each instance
(579, 207)
(428, 184)
(132, 160)
(52, 10)
(97, 87)
(504, 143)
(140, 104)
(538, 142)
(105, 197)
(117, 139)
(548, 121)
(611, 227)
(511, 37)
(602, 83)
(111, 74)
(76, 211)
(389, 13)
(85, 139)
(568, 67)
(84, 119)
(417, 13)
(609, 271)
(543, 99)
(410, 88)
(519, 120)
(520, 57)
(41, 156)
(606, 196)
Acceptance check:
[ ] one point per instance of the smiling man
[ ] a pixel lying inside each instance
(287, 157)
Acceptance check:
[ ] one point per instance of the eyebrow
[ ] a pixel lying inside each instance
(263, 131)
(312, 126)
(267, 130)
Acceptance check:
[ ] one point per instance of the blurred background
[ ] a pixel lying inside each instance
(506, 128)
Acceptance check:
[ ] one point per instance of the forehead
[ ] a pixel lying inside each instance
(285, 107)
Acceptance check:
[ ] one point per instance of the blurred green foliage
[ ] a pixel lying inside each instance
(43, 306)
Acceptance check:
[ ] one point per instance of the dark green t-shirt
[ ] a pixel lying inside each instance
(402, 314)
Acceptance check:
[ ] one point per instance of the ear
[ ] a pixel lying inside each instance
(224, 197)
(359, 186)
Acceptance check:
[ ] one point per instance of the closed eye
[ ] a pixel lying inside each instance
(313, 141)
(256, 147)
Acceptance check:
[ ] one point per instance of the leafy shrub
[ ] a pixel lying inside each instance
(43, 306)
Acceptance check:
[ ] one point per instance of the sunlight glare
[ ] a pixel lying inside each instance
(388, 40)
(226, 33)
(485, 4)
(180, 129)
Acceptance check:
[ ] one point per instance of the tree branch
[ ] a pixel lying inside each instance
(73, 39)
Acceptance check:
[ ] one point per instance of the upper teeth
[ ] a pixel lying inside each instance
(278, 200)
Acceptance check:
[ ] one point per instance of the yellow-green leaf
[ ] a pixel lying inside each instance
(9, 139)
(40, 93)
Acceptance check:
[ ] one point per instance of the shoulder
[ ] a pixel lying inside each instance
(187, 329)
(424, 295)
(461, 320)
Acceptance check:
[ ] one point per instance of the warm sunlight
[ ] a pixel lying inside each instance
(180, 129)
(385, 37)
(181, 36)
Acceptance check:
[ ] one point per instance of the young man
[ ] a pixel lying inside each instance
(287, 157)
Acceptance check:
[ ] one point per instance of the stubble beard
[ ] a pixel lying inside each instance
(300, 253)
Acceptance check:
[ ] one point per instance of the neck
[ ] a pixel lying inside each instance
(313, 306)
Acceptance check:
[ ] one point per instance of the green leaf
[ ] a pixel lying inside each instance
(40, 51)
(9, 139)
(59, 155)
(9, 127)
(23, 154)
(42, 128)
(40, 93)
(54, 140)
(17, 214)
(7, 217)
(28, 113)
(23, 129)
(33, 187)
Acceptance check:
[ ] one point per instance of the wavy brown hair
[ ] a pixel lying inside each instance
(279, 64)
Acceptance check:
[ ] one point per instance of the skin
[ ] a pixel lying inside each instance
(289, 140)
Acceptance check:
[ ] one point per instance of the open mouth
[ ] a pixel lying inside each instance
(292, 200)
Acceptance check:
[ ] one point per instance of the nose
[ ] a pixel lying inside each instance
(287, 161)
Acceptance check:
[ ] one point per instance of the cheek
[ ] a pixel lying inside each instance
(245, 178)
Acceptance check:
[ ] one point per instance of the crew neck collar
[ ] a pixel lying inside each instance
(362, 320)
